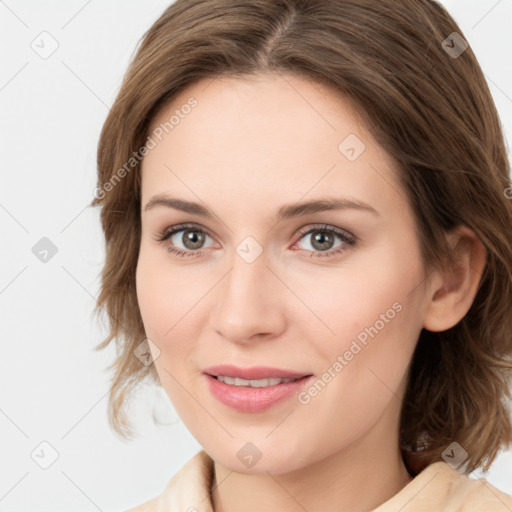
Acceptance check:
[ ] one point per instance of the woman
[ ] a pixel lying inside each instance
(309, 245)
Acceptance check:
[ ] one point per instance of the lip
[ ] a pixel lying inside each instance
(254, 373)
(249, 399)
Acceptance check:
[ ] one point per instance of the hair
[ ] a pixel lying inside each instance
(431, 111)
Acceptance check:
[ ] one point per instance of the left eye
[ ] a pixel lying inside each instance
(323, 239)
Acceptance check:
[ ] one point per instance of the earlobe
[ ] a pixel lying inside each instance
(453, 290)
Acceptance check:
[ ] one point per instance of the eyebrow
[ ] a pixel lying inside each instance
(285, 212)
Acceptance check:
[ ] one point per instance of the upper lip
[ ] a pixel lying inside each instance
(254, 373)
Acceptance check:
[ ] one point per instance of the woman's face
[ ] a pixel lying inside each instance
(334, 293)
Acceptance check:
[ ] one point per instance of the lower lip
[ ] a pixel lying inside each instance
(249, 399)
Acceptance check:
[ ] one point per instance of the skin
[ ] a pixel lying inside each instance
(251, 145)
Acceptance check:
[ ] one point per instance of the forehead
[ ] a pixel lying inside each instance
(291, 106)
(265, 138)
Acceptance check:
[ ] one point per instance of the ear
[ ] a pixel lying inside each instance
(452, 291)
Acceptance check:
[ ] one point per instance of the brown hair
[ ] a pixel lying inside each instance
(430, 109)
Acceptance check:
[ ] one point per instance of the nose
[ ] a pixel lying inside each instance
(250, 302)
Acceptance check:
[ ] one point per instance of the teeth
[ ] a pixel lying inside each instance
(259, 383)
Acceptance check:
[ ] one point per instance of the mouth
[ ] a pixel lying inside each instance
(255, 395)
(256, 383)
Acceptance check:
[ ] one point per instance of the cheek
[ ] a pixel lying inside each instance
(173, 306)
(356, 300)
(164, 299)
(149, 295)
(374, 319)
(163, 295)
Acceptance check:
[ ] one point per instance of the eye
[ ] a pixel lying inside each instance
(192, 239)
(322, 243)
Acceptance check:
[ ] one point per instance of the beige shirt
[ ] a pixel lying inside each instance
(438, 487)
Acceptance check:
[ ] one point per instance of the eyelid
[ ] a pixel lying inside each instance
(301, 232)
(170, 230)
(343, 233)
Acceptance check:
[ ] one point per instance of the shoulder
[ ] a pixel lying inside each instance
(472, 495)
(442, 488)
(188, 489)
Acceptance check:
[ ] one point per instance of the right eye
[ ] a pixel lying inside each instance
(192, 239)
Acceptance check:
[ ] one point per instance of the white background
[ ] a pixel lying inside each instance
(53, 385)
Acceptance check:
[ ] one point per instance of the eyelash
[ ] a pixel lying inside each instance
(347, 239)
